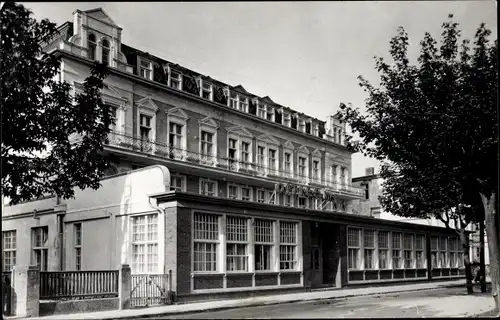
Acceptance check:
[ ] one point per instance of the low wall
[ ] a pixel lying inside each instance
(52, 307)
(201, 297)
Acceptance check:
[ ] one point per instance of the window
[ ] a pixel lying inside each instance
(243, 104)
(114, 118)
(175, 136)
(260, 159)
(383, 249)
(302, 167)
(261, 196)
(452, 252)
(270, 113)
(78, 245)
(316, 175)
(246, 194)
(353, 247)
(146, 69)
(287, 200)
(206, 240)
(288, 163)
(272, 197)
(340, 136)
(302, 202)
(369, 250)
(206, 90)
(92, 45)
(232, 152)
(302, 125)
(288, 245)
(206, 144)
(419, 251)
(261, 111)
(343, 176)
(208, 187)
(443, 263)
(264, 240)
(408, 251)
(335, 134)
(367, 191)
(232, 191)
(175, 80)
(177, 182)
(105, 52)
(145, 243)
(272, 161)
(245, 154)
(315, 130)
(434, 252)
(287, 119)
(237, 244)
(396, 250)
(9, 249)
(145, 127)
(333, 174)
(39, 237)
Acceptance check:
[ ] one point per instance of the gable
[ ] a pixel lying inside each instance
(240, 89)
(147, 103)
(239, 130)
(208, 121)
(177, 112)
(268, 100)
(269, 139)
(101, 15)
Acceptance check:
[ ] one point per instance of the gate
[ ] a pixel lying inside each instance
(150, 289)
(7, 293)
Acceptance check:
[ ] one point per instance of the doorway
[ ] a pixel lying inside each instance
(316, 256)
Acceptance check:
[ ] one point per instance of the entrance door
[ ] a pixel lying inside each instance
(316, 256)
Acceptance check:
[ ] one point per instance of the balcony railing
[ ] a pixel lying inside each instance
(256, 169)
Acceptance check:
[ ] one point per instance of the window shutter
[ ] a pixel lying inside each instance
(159, 74)
(277, 117)
(294, 122)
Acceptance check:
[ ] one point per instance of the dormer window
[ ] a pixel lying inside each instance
(175, 79)
(270, 113)
(206, 89)
(315, 129)
(105, 51)
(287, 119)
(146, 69)
(302, 125)
(92, 46)
(238, 102)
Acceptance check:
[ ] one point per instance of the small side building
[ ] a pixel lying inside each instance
(216, 246)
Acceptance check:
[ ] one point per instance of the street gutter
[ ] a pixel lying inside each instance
(270, 303)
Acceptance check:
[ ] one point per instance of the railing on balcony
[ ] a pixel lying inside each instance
(231, 164)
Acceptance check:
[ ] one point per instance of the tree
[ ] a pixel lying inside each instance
(39, 115)
(435, 125)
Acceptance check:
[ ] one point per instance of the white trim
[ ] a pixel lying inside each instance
(210, 126)
(184, 180)
(216, 187)
(178, 116)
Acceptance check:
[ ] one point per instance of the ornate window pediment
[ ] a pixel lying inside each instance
(289, 145)
(239, 130)
(268, 139)
(304, 149)
(208, 121)
(177, 112)
(147, 103)
(317, 153)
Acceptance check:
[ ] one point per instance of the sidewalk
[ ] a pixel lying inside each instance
(255, 301)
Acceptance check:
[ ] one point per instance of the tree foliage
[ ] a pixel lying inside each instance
(39, 115)
(434, 124)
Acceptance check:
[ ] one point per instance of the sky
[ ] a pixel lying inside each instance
(304, 55)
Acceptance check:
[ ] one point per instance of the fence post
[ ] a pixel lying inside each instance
(169, 280)
(26, 283)
(125, 286)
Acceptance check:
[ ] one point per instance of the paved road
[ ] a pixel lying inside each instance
(429, 303)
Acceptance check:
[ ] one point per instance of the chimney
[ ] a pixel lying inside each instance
(370, 171)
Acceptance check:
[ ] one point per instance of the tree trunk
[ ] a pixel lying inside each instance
(482, 262)
(492, 234)
(464, 240)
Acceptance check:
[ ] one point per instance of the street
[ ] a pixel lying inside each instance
(429, 303)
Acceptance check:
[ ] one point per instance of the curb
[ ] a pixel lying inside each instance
(271, 303)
